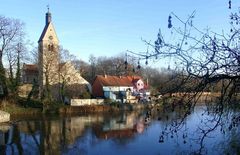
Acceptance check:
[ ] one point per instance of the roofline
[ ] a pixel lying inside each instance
(45, 30)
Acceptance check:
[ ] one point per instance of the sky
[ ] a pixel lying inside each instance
(110, 27)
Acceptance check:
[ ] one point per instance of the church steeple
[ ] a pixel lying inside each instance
(48, 54)
(48, 16)
(48, 31)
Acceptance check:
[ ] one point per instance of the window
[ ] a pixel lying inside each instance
(50, 47)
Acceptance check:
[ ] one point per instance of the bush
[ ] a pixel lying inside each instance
(108, 101)
(115, 104)
(86, 95)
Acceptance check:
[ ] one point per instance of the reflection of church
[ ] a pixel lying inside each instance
(66, 135)
(49, 70)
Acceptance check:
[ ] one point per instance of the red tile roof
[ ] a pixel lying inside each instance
(30, 68)
(108, 80)
(118, 133)
(114, 80)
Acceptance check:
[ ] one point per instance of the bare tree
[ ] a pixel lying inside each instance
(206, 59)
(14, 58)
(67, 72)
(49, 62)
(83, 67)
(10, 30)
(93, 65)
(116, 66)
(71, 84)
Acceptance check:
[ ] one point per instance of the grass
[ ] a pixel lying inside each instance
(21, 110)
(13, 108)
(21, 106)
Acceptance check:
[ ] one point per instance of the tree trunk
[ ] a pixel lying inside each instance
(3, 83)
(18, 78)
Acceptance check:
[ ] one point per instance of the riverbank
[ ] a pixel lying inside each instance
(105, 108)
(36, 108)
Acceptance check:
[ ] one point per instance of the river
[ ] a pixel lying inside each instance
(128, 133)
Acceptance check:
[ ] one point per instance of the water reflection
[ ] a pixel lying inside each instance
(138, 132)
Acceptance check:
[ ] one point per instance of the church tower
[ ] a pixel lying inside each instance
(48, 56)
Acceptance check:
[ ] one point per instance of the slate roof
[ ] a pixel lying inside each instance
(43, 32)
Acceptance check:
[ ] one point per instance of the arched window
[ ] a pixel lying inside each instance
(50, 47)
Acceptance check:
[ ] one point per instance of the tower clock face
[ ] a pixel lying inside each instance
(50, 37)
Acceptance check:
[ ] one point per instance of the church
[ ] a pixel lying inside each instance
(49, 74)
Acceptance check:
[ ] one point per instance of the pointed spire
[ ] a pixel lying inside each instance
(48, 16)
(48, 7)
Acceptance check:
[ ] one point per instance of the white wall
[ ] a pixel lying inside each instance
(4, 116)
(116, 88)
(81, 102)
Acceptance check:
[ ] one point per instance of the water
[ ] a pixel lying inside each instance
(124, 133)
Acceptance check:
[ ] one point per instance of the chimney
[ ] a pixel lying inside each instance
(105, 75)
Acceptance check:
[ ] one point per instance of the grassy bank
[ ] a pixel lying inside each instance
(23, 107)
(18, 107)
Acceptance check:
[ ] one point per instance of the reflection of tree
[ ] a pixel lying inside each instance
(17, 139)
(86, 133)
(232, 141)
(209, 125)
(34, 137)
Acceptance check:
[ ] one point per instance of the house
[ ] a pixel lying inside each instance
(119, 88)
(29, 73)
(140, 89)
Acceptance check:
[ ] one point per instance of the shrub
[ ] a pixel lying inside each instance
(108, 101)
(86, 95)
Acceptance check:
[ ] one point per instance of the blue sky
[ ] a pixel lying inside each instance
(110, 27)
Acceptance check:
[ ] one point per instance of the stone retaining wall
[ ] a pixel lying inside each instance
(82, 102)
(4, 116)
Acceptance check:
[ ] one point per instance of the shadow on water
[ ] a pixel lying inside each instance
(138, 132)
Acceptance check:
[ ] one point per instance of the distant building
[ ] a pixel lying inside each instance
(49, 68)
(119, 88)
(29, 73)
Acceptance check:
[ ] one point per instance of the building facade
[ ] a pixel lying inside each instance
(120, 88)
(49, 72)
(48, 55)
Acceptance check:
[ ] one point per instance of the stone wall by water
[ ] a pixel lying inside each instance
(4, 116)
(81, 102)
